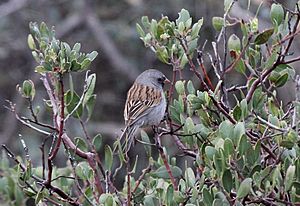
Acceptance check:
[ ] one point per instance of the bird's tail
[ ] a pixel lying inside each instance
(127, 138)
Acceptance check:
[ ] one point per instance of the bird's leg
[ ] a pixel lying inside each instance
(154, 128)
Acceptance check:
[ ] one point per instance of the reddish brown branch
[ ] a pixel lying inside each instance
(54, 189)
(182, 147)
(263, 77)
(53, 153)
(61, 120)
(206, 75)
(164, 158)
(138, 182)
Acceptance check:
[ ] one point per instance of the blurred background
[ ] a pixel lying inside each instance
(107, 26)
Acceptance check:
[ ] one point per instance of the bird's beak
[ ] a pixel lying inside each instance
(167, 81)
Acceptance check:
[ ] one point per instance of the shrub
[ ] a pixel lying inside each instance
(243, 152)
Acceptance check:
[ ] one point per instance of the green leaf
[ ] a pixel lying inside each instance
(75, 66)
(238, 130)
(77, 47)
(162, 54)
(244, 108)
(106, 199)
(80, 143)
(72, 104)
(36, 56)
(183, 60)
(90, 105)
(44, 30)
(289, 177)
(264, 36)
(219, 162)
(190, 87)
(47, 66)
(188, 23)
(240, 67)
(227, 4)
(207, 197)
(170, 195)
(85, 64)
(90, 85)
(183, 16)
(190, 177)
(276, 14)
(34, 29)
(245, 188)
(281, 80)
(30, 42)
(145, 21)
(28, 89)
(134, 165)
(153, 28)
(179, 86)
(218, 23)
(189, 125)
(196, 28)
(234, 43)
(108, 157)
(162, 172)
(145, 138)
(150, 200)
(243, 145)
(254, 25)
(210, 152)
(140, 30)
(40, 69)
(97, 141)
(71, 85)
(237, 112)
(39, 196)
(228, 147)
(226, 129)
(227, 180)
(92, 56)
(256, 152)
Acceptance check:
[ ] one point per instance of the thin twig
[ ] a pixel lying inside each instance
(139, 180)
(164, 158)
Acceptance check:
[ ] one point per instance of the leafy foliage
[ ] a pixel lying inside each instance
(243, 152)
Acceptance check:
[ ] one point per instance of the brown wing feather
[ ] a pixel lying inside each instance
(139, 99)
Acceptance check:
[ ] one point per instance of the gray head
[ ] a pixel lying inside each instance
(153, 78)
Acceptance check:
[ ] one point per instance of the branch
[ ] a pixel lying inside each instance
(182, 147)
(61, 120)
(291, 60)
(263, 77)
(270, 124)
(24, 122)
(139, 180)
(51, 187)
(164, 158)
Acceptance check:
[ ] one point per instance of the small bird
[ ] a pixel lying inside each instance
(145, 104)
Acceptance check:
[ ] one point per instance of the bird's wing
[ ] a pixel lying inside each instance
(139, 99)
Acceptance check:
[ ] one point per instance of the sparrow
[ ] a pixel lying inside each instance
(145, 104)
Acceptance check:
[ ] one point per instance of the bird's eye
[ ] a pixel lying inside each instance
(161, 80)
